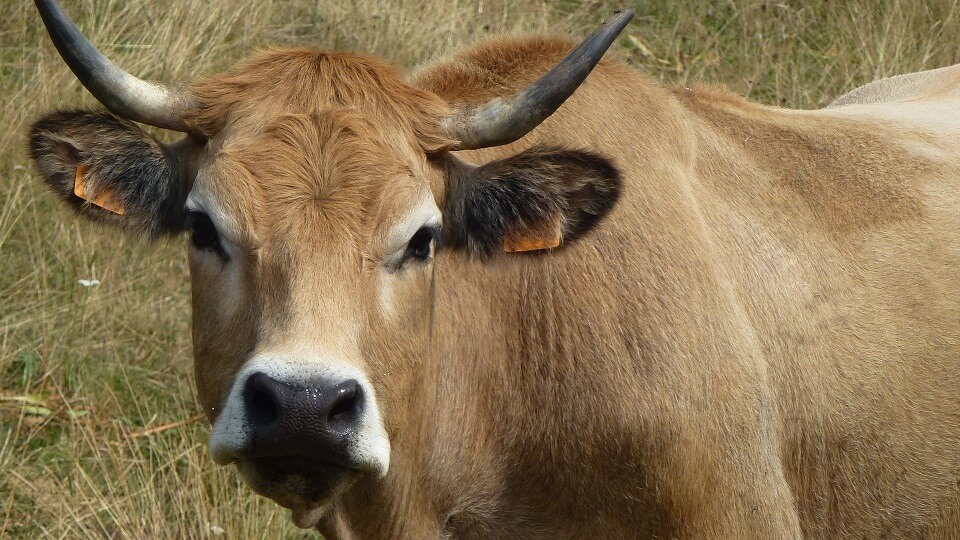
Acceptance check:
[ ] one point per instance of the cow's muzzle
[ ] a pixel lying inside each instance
(302, 430)
(297, 421)
(315, 422)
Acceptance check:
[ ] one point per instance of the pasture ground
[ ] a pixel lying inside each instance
(84, 370)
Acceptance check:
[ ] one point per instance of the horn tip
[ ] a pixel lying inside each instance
(622, 16)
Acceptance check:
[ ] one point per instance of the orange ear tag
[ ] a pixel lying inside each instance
(106, 200)
(546, 237)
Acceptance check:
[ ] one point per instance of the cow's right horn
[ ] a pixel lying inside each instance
(122, 93)
(504, 120)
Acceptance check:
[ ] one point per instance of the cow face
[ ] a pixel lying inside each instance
(317, 190)
(314, 240)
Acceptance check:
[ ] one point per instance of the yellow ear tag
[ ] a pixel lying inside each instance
(105, 200)
(546, 237)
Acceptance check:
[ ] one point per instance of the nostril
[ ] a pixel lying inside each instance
(342, 410)
(346, 406)
(261, 400)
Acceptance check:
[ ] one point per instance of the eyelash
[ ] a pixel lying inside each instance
(421, 245)
(203, 234)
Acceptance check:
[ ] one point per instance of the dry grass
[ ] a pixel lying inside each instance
(82, 368)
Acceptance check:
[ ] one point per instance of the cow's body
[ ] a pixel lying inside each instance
(759, 340)
(764, 333)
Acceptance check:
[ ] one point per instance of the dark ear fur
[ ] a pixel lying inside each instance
(122, 159)
(524, 193)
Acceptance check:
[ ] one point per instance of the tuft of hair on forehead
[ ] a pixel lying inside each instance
(284, 81)
(328, 165)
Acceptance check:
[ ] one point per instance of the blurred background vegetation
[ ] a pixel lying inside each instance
(85, 371)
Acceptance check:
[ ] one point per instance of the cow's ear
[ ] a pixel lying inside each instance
(110, 170)
(538, 199)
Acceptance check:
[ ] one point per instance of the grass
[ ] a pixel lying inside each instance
(84, 368)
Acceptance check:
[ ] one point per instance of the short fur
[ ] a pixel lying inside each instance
(759, 340)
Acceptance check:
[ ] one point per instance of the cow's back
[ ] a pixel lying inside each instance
(927, 98)
(931, 86)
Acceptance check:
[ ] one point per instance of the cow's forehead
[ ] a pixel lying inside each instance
(296, 81)
(307, 176)
(297, 133)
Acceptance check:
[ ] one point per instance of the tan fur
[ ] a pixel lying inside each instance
(932, 85)
(761, 340)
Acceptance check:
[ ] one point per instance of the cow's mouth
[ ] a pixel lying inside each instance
(306, 486)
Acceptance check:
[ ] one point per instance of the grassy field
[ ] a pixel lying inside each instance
(85, 370)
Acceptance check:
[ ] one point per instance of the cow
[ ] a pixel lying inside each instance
(499, 297)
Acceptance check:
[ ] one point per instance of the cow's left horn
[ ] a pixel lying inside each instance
(122, 93)
(504, 120)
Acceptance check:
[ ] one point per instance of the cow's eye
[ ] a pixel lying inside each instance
(203, 234)
(421, 244)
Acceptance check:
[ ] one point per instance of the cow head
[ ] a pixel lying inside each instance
(316, 189)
